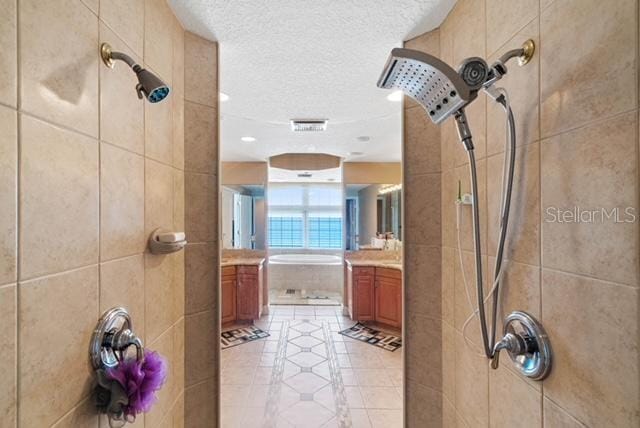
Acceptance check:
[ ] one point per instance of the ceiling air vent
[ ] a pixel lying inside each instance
(309, 125)
(305, 175)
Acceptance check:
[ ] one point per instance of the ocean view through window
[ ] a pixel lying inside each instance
(305, 216)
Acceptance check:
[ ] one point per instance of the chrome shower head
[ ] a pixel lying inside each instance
(431, 82)
(149, 85)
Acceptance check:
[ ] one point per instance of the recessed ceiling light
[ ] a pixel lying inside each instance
(395, 96)
(363, 138)
(248, 139)
(223, 97)
(355, 153)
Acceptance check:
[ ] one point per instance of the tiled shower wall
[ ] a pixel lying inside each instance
(201, 162)
(87, 171)
(576, 109)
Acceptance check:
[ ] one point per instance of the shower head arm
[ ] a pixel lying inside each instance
(499, 68)
(109, 56)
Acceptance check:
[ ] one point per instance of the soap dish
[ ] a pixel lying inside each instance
(164, 242)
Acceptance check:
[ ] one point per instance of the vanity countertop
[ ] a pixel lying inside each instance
(390, 264)
(242, 261)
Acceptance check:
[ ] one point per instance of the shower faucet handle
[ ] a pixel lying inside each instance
(527, 343)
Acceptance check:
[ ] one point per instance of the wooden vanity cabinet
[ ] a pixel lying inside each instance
(363, 296)
(388, 292)
(242, 293)
(228, 290)
(374, 294)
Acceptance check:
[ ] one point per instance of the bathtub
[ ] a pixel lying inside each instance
(305, 259)
(306, 270)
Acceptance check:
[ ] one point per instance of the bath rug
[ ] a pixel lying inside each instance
(238, 336)
(374, 337)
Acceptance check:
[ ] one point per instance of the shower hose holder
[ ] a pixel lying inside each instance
(527, 343)
(112, 338)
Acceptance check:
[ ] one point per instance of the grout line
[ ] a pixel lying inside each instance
(17, 301)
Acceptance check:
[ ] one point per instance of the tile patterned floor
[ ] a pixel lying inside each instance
(307, 375)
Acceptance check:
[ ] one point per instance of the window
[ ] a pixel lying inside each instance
(305, 216)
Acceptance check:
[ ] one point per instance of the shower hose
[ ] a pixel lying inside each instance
(489, 337)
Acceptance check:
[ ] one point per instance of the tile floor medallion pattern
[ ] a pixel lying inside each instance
(241, 335)
(306, 374)
(374, 337)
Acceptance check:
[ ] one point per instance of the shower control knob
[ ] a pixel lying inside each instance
(527, 343)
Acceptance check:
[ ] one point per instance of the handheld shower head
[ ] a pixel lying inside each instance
(431, 82)
(149, 85)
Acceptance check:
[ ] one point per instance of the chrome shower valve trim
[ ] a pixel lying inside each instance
(527, 343)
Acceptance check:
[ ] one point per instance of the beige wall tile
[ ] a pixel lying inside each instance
(8, 367)
(8, 194)
(421, 152)
(160, 291)
(592, 324)
(200, 278)
(178, 357)
(200, 411)
(523, 234)
(121, 203)
(158, 196)
(126, 18)
(421, 214)
(200, 138)
(178, 95)
(472, 379)
(425, 407)
(178, 132)
(592, 168)
(555, 417)
(59, 63)
(200, 347)
(56, 318)
(423, 280)
(122, 284)
(121, 112)
(84, 415)
(178, 200)
(164, 346)
(9, 43)
(178, 413)
(201, 202)
(463, 176)
(423, 348)
(505, 18)
(93, 5)
(200, 70)
(448, 414)
(158, 131)
(449, 259)
(448, 362)
(158, 38)
(592, 76)
(58, 198)
(522, 85)
(449, 195)
(513, 402)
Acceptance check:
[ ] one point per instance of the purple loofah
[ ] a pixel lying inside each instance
(140, 380)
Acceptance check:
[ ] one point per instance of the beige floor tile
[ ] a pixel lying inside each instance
(385, 418)
(381, 397)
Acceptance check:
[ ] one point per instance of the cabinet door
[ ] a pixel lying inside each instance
(248, 299)
(388, 301)
(363, 294)
(228, 287)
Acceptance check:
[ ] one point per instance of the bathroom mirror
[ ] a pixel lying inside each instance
(243, 217)
(373, 214)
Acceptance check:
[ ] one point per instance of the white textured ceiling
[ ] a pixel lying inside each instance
(284, 59)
